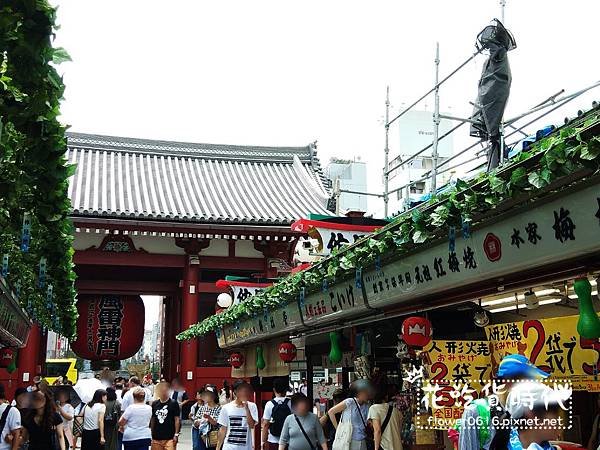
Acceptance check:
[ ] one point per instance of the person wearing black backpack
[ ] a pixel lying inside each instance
(276, 411)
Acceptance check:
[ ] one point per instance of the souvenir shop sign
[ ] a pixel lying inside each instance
(330, 235)
(241, 290)
(535, 237)
(333, 304)
(460, 369)
(261, 327)
(554, 346)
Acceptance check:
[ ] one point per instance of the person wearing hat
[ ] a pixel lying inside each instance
(473, 437)
(535, 411)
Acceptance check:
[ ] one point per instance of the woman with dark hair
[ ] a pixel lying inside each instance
(93, 422)
(386, 420)
(225, 394)
(111, 417)
(302, 430)
(205, 419)
(339, 395)
(43, 425)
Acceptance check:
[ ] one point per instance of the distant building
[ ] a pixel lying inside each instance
(416, 133)
(57, 346)
(352, 176)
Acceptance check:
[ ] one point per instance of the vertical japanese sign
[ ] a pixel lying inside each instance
(458, 372)
(553, 345)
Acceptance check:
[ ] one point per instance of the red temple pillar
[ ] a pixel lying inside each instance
(189, 310)
(189, 316)
(29, 362)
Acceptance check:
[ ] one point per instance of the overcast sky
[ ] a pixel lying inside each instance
(279, 72)
(275, 72)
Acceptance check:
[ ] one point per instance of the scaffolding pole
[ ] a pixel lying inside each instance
(436, 121)
(386, 163)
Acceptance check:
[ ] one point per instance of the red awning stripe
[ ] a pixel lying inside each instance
(302, 226)
(227, 283)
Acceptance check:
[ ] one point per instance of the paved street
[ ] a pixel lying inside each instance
(185, 437)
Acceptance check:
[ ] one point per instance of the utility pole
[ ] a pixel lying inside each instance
(386, 174)
(502, 8)
(436, 121)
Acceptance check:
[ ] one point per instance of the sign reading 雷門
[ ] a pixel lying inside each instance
(110, 327)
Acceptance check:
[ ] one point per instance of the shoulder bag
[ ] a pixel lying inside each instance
(343, 434)
(368, 431)
(78, 422)
(315, 446)
(4, 418)
(386, 421)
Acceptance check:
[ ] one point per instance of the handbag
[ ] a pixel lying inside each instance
(369, 440)
(211, 438)
(315, 446)
(78, 422)
(343, 435)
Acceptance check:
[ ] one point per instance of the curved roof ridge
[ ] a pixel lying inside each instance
(307, 154)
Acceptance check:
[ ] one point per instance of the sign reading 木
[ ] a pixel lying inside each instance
(554, 231)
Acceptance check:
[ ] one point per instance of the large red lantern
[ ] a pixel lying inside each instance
(109, 327)
(417, 331)
(236, 360)
(287, 352)
(7, 355)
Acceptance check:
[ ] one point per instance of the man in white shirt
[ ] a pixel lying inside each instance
(276, 411)
(304, 387)
(238, 419)
(128, 397)
(10, 420)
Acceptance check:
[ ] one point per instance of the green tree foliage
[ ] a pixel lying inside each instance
(33, 168)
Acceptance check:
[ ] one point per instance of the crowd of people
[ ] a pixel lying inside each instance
(137, 414)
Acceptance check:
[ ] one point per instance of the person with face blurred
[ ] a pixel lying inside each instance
(10, 434)
(67, 412)
(356, 410)
(166, 421)
(237, 420)
(302, 430)
(135, 422)
(93, 422)
(43, 425)
(206, 419)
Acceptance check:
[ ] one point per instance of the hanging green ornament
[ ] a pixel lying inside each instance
(260, 359)
(588, 325)
(13, 364)
(335, 354)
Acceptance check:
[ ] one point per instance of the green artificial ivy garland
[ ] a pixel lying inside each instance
(563, 153)
(33, 169)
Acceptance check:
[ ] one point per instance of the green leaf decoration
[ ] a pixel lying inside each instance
(565, 152)
(33, 170)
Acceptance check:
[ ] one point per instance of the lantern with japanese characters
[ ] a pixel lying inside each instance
(287, 352)
(417, 331)
(109, 327)
(7, 355)
(236, 360)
